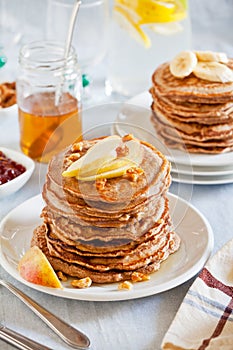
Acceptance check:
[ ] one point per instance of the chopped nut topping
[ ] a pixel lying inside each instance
(125, 285)
(82, 283)
(124, 217)
(77, 146)
(100, 184)
(139, 277)
(171, 244)
(127, 137)
(74, 156)
(61, 276)
(133, 173)
(122, 151)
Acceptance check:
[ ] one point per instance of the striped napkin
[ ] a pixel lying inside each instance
(204, 320)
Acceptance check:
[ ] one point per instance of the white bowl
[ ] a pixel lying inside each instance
(18, 182)
(4, 112)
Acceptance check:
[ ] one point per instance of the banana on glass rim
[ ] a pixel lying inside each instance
(183, 64)
(211, 56)
(213, 71)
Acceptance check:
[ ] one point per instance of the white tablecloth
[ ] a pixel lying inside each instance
(135, 324)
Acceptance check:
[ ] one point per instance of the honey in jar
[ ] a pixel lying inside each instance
(48, 124)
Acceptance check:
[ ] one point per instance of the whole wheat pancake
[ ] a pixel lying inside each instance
(191, 88)
(206, 147)
(196, 131)
(148, 265)
(107, 230)
(121, 190)
(192, 114)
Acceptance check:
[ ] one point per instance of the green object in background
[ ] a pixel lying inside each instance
(85, 80)
(3, 60)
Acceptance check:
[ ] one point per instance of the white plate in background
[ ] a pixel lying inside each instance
(202, 171)
(140, 117)
(202, 180)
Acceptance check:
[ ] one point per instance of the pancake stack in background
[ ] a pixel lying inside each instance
(193, 102)
(107, 213)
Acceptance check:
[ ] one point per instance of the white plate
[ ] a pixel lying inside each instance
(18, 182)
(181, 173)
(140, 117)
(202, 180)
(203, 171)
(195, 232)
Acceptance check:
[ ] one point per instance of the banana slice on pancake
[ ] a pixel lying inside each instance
(211, 56)
(213, 71)
(183, 64)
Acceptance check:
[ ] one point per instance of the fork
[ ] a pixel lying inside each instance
(20, 341)
(67, 333)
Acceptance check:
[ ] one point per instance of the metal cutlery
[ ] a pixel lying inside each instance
(20, 341)
(69, 334)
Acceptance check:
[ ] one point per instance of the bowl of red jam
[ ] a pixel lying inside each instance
(15, 170)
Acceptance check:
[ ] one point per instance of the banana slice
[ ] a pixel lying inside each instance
(210, 56)
(213, 71)
(183, 64)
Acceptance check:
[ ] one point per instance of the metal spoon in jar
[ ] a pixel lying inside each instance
(67, 47)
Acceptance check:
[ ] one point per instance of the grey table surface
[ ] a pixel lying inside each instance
(138, 324)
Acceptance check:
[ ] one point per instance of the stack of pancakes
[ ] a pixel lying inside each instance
(109, 228)
(192, 113)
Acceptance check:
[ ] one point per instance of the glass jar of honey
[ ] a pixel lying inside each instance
(49, 99)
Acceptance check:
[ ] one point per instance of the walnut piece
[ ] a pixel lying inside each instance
(74, 156)
(100, 184)
(125, 285)
(61, 276)
(122, 151)
(7, 94)
(139, 277)
(128, 137)
(133, 173)
(82, 283)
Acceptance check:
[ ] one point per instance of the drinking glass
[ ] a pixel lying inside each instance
(144, 34)
(90, 33)
(11, 33)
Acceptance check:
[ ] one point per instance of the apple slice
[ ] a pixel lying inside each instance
(103, 151)
(108, 166)
(135, 153)
(103, 161)
(111, 170)
(34, 267)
